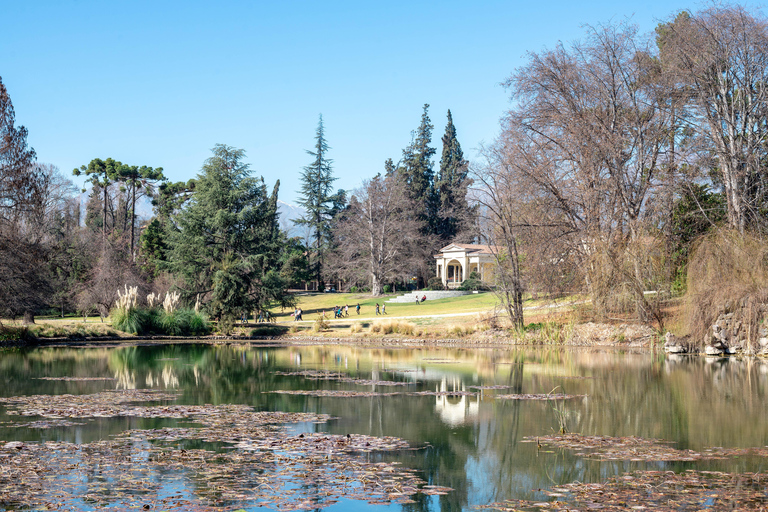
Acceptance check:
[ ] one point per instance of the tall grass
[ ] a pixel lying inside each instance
(393, 326)
(183, 322)
(131, 320)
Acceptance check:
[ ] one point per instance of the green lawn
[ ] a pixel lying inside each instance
(314, 303)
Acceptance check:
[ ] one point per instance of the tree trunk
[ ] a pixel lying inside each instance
(29, 317)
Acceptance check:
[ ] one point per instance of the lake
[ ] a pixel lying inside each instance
(189, 427)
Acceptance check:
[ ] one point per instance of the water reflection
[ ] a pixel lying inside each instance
(473, 444)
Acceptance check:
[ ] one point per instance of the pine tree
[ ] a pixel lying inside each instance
(454, 213)
(319, 201)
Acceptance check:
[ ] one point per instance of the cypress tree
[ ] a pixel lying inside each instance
(416, 170)
(451, 187)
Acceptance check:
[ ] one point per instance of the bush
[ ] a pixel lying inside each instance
(356, 328)
(269, 330)
(473, 282)
(353, 289)
(727, 273)
(131, 320)
(320, 325)
(393, 326)
(435, 283)
(184, 322)
(387, 289)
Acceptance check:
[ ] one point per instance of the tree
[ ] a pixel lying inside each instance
(223, 247)
(102, 173)
(319, 201)
(454, 215)
(139, 181)
(587, 139)
(379, 240)
(416, 171)
(720, 55)
(24, 283)
(21, 183)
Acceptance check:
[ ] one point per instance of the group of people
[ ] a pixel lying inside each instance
(420, 300)
(258, 316)
(340, 312)
(383, 309)
(297, 315)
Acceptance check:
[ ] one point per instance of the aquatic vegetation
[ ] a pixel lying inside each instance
(654, 490)
(268, 465)
(636, 448)
(539, 396)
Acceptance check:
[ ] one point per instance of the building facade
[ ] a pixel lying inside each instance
(456, 261)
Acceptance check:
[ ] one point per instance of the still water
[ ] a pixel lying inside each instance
(472, 443)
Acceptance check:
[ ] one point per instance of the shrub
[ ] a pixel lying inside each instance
(131, 320)
(393, 326)
(473, 282)
(183, 322)
(435, 283)
(356, 328)
(353, 289)
(387, 288)
(320, 325)
(269, 330)
(727, 273)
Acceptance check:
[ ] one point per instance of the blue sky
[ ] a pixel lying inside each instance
(160, 82)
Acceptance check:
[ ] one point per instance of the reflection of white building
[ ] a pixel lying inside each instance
(455, 410)
(456, 261)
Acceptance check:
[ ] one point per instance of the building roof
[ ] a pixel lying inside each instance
(471, 249)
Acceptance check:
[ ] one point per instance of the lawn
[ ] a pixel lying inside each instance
(313, 304)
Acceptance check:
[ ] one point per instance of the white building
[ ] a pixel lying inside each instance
(456, 261)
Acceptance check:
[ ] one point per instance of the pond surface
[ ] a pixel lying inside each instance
(462, 436)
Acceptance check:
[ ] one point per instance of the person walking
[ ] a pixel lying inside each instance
(377, 308)
(358, 308)
(346, 310)
(383, 309)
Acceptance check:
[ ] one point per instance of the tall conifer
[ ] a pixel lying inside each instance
(319, 201)
(451, 187)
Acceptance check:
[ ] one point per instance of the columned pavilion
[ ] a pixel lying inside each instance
(456, 261)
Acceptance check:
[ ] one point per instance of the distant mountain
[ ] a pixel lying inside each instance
(287, 214)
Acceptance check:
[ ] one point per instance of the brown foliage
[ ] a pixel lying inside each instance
(727, 273)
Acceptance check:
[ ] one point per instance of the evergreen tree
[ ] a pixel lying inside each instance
(454, 213)
(416, 171)
(223, 246)
(320, 203)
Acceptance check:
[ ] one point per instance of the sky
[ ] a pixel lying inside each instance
(159, 83)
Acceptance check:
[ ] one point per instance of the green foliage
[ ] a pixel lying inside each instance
(387, 288)
(435, 283)
(15, 334)
(353, 289)
(131, 320)
(417, 172)
(153, 247)
(473, 282)
(225, 242)
(695, 213)
(319, 201)
(451, 185)
(183, 322)
(268, 330)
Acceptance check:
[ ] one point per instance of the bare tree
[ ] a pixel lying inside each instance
(378, 238)
(720, 55)
(584, 144)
